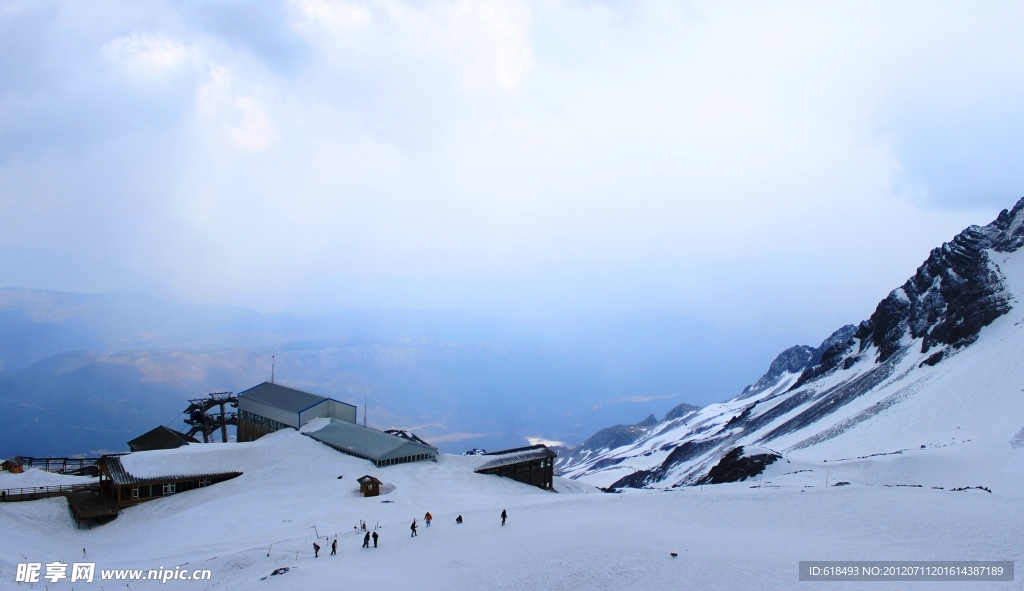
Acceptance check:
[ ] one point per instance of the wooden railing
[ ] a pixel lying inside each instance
(61, 465)
(10, 495)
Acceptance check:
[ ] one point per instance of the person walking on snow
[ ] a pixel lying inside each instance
(366, 540)
(334, 547)
(413, 528)
(316, 550)
(427, 518)
(374, 539)
(504, 516)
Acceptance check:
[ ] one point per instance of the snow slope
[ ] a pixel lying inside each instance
(34, 477)
(934, 379)
(878, 428)
(727, 536)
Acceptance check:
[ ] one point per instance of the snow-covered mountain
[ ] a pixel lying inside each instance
(937, 366)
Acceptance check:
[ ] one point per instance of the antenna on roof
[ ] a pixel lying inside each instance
(364, 409)
(272, 360)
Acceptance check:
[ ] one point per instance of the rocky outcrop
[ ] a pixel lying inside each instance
(609, 438)
(954, 294)
(679, 412)
(682, 453)
(792, 360)
(737, 466)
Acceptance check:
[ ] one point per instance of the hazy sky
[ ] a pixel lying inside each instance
(774, 164)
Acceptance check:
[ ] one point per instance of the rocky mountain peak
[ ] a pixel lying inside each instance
(680, 411)
(954, 294)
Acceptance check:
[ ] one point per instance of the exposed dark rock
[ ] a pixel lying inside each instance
(811, 361)
(607, 438)
(606, 462)
(680, 411)
(613, 437)
(792, 360)
(684, 452)
(829, 355)
(828, 401)
(736, 467)
(650, 421)
(963, 488)
(953, 295)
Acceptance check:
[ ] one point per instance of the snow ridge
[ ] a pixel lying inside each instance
(860, 378)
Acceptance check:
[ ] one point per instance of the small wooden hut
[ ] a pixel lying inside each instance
(369, 486)
(15, 465)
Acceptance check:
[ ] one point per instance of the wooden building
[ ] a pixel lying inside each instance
(160, 438)
(533, 465)
(369, 486)
(271, 407)
(14, 465)
(91, 506)
(126, 489)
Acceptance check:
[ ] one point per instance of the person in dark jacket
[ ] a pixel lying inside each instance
(504, 516)
(374, 539)
(458, 519)
(316, 550)
(334, 547)
(366, 540)
(413, 528)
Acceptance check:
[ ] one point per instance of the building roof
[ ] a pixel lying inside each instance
(120, 476)
(367, 443)
(282, 397)
(518, 455)
(160, 438)
(15, 461)
(368, 480)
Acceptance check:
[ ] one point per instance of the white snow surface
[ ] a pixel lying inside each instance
(727, 536)
(899, 450)
(34, 477)
(952, 424)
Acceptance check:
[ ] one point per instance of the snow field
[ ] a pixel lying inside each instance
(727, 536)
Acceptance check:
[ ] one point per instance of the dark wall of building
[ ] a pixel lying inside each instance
(137, 493)
(539, 473)
(251, 427)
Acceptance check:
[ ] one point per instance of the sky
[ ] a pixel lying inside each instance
(772, 165)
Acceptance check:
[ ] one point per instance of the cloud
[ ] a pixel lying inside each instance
(746, 164)
(649, 398)
(144, 54)
(460, 436)
(542, 441)
(635, 399)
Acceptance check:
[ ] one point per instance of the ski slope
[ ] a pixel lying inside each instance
(727, 536)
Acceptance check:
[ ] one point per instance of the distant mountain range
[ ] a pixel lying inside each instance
(83, 373)
(937, 365)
